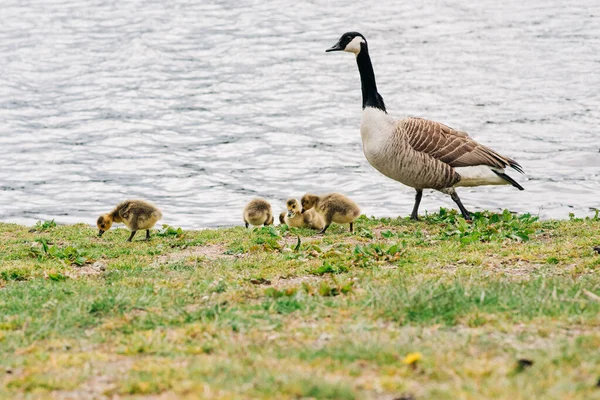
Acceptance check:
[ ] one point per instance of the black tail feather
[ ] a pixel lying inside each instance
(509, 179)
(515, 165)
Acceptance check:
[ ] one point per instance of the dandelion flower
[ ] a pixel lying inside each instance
(412, 358)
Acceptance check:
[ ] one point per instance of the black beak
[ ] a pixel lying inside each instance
(335, 47)
(289, 213)
(302, 212)
(100, 233)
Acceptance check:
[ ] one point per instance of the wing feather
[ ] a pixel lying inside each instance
(450, 146)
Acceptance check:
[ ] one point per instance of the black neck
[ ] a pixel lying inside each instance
(370, 97)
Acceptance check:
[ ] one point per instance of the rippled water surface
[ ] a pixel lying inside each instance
(200, 105)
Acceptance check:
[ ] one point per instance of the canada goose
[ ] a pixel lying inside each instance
(295, 218)
(135, 214)
(258, 212)
(333, 207)
(417, 152)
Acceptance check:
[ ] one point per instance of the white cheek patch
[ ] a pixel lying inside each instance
(354, 45)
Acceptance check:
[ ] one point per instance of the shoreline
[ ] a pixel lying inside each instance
(590, 214)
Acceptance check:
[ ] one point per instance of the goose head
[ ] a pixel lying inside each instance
(352, 42)
(104, 223)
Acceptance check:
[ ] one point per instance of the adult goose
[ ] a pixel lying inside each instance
(417, 152)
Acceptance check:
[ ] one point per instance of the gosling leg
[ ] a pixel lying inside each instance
(328, 221)
(147, 234)
(322, 231)
(351, 227)
(415, 212)
(131, 236)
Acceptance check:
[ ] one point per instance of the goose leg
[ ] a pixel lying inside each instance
(459, 203)
(415, 211)
(351, 227)
(131, 236)
(147, 234)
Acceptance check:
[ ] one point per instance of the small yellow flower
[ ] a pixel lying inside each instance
(412, 358)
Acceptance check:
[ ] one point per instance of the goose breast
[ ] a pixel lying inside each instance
(387, 147)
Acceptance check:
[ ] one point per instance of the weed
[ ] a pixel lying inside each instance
(487, 227)
(15, 274)
(328, 268)
(167, 231)
(68, 253)
(43, 226)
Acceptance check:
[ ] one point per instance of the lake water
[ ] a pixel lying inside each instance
(199, 106)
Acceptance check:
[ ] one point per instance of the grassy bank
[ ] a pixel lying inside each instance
(507, 307)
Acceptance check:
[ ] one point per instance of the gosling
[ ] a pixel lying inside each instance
(334, 207)
(258, 212)
(282, 218)
(135, 214)
(295, 218)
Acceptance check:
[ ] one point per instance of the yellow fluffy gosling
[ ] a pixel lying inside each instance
(135, 214)
(333, 207)
(258, 212)
(295, 218)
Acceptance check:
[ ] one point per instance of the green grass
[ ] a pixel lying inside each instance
(282, 313)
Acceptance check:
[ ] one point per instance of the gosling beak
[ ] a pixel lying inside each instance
(335, 47)
(101, 232)
(290, 214)
(303, 210)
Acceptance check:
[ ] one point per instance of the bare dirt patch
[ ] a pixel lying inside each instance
(292, 241)
(284, 282)
(211, 252)
(102, 383)
(513, 267)
(94, 269)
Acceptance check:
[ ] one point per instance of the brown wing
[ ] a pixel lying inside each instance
(450, 146)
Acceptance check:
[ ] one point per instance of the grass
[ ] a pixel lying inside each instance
(505, 307)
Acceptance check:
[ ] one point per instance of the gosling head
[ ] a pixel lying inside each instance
(352, 42)
(308, 202)
(104, 223)
(293, 207)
